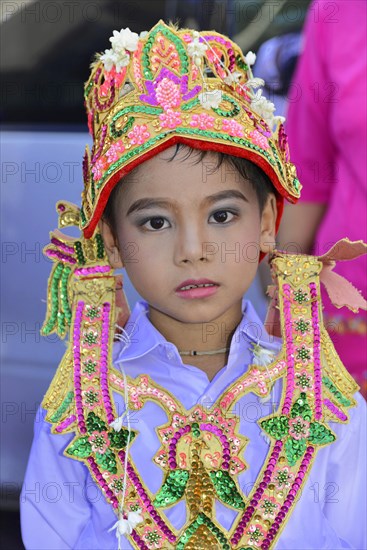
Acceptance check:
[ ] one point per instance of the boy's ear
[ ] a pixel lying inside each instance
(110, 244)
(268, 221)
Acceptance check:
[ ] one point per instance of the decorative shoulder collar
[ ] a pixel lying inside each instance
(316, 388)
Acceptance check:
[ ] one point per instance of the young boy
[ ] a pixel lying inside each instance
(185, 424)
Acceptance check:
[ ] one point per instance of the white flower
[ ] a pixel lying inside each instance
(143, 34)
(279, 119)
(108, 59)
(232, 77)
(135, 518)
(262, 356)
(126, 526)
(112, 59)
(196, 49)
(210, 99)
(255, 83)
(117, 423)
(124, 40)
(250, 58)
(264, 108)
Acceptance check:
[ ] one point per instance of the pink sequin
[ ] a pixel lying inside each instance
(99, 168)
(259, 139)
(118, 78)
(232, 128)
(170, 119)
(168, 94)
(115, 151)
(202, 121)
(139, 134)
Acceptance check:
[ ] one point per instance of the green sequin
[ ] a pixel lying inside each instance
(119, 439)
(83, 218)
(336, 393)
(63, 407)
(200, 520)
(81, 448)
(276, 427)
(64, 294)
(52, 319)
(320, 434)
(95, 424)
(190, 104)
(294, 449)
(107, 460)
(118, 133)
(233, 112)
(79, 252)
(241, 64)
(130, 109)
(301, 408)
(88, 89)
(172, 489)
(296, 184)
(61, 325)
(226, 489)
(278, 161)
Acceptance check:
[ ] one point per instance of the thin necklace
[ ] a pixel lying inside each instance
(194, 352)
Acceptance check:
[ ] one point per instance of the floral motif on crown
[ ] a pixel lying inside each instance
(171, 83)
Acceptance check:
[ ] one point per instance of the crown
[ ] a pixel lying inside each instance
(170, 85)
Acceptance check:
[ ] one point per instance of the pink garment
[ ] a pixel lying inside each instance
(326, 126)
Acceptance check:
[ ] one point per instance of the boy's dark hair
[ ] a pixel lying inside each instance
(247, 169)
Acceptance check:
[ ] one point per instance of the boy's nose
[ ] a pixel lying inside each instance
(190, 246)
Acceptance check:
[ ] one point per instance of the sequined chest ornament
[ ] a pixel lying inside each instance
(202, 451)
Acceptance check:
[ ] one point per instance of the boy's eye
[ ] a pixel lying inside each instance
(155, 223)
(222, 216)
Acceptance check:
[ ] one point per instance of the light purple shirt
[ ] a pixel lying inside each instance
(62, 507)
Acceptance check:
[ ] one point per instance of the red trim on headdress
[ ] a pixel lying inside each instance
(280, 192)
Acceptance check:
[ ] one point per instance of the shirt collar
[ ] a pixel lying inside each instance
(141, 337)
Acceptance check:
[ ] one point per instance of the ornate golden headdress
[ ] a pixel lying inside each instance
(166, 86)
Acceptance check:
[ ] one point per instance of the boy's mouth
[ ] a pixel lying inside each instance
(192, 284)
(200, 288)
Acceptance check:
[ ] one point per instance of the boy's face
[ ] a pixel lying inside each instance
(197, 234)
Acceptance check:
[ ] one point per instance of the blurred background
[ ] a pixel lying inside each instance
(46, 49)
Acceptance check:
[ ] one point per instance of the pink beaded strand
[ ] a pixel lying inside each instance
(60, 256)
(77, 380)
(92, 270)
(146, 500)
(104, 361)
(335, 410)
(249, 511)
(289, 348)
(63, 246)
(65, 423)
(316, 351)
(296, 486)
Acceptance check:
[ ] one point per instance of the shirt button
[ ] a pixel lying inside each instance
(170, 354)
